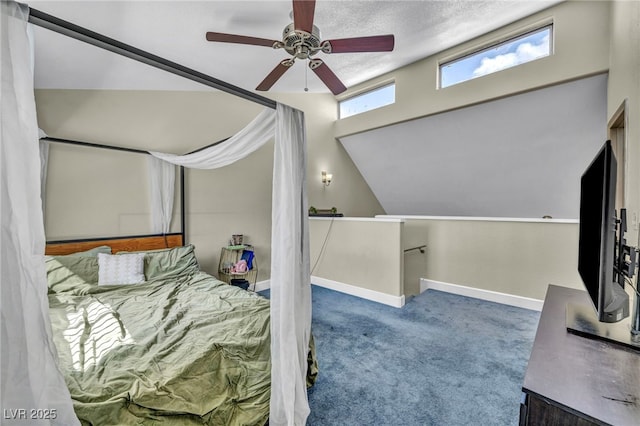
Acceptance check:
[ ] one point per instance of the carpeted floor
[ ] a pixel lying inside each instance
(442, 359)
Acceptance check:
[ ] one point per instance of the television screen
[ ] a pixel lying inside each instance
(596, 251)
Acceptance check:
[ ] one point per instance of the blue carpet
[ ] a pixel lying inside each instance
(442, 359)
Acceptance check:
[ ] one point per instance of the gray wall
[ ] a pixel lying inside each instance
(520, 156)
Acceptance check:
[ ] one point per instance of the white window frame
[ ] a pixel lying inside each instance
(367, 92)
(497, 43)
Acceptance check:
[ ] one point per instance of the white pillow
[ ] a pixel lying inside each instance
(121, 269)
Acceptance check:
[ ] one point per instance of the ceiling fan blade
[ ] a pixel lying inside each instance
(380, 43)
(274, 75)
(327, 76)
(233, 38)
(303, 11)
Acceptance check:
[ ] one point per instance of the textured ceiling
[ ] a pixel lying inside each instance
(176, 31)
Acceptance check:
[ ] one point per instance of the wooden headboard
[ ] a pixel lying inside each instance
(136, 243)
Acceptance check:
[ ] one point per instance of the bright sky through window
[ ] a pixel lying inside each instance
(373, 99)
(519, 50)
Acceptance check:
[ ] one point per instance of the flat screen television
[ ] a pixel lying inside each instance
(602, 257)
(597, 246)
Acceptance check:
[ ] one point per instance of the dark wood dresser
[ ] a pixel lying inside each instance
(574, 380)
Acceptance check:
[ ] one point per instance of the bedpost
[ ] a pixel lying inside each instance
(183, 219)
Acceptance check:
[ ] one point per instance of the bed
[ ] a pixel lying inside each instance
(175, 346)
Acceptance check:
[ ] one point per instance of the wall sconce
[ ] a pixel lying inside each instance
(326, 178)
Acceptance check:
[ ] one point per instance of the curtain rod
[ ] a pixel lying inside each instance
(118, 237)
(58, 25)
(95, 145)
(207, 146)
(120, 148)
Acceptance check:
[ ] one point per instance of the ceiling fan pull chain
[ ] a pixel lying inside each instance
(306, 73)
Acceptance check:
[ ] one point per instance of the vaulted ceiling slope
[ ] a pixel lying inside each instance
(520, 156)
(176, 31)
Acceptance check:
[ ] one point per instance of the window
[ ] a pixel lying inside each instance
(372, 99)
(518, 50)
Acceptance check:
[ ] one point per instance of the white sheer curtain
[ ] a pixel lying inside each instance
(162, 176)
(44, 165)
(290, 277)
(238, 146)
(30, 377)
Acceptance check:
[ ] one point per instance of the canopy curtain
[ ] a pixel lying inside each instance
(162, 176)
(44, 166)
(30, 376)
(290, 275)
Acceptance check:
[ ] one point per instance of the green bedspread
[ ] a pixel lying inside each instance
(177, 351)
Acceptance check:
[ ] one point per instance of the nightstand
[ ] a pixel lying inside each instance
(229, 256)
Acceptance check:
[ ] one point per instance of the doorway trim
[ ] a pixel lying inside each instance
(617, 133)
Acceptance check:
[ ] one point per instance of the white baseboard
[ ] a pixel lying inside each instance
(478, 293)
(375, 296)
(262, 285)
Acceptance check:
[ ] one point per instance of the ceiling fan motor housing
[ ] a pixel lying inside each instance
(299, 43)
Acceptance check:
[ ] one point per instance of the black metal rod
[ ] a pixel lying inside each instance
(183, 215)
(421, 248)
(74, 31)
(82, 240)
(121, 148)
(208, 146)
(95, 145)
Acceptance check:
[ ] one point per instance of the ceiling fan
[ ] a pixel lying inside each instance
(301, 39)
